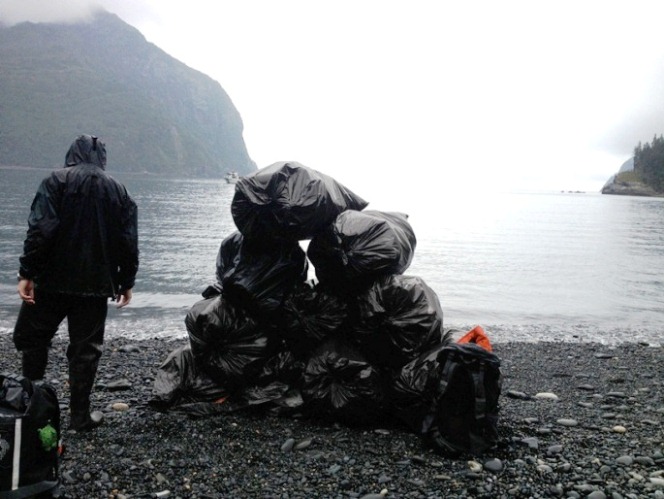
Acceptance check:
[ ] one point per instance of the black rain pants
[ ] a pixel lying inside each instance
(36, 326)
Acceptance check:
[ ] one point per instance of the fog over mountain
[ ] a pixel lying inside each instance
(96, 74)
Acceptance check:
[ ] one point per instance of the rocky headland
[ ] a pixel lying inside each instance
(618, 185)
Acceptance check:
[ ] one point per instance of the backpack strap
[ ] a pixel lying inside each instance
(448, 370)
(478, 376)
(25, 383)
(480, 392)
(449, 367)
(16, 458)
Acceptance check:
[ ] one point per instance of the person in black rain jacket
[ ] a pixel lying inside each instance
(81, 249)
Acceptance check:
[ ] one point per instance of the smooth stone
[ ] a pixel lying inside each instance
(97, 417)
(564, 467)
(546, 396)
(659, 482)
(644, 461)
(618, 395)
(474, 466)
(596, 494)
(588, 388)
(544, 468)
(603, 356)
(117, 385)
(120, 406)
(494, 465)
(517, 395)
(334, 469)
(554, 449)
(68, 477)
(567, 422)
(382, 495)
(303, 444)
(531, 442)
(587, 405)
(625, 460)
(287, 446)
(619, 429)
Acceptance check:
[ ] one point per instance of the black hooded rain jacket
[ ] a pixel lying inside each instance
(82, 234)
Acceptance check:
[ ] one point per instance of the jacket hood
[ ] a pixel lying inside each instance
(86, 149)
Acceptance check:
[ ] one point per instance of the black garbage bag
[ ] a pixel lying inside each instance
(264, 273)
(360, 246)
(181, 385)
(308, 316)
(412, 390)
(228, 257)
(398, 318)
(227, 343)
(276, 397)
(283, 367)
(340, 385)
(289, 200)
(276, 386)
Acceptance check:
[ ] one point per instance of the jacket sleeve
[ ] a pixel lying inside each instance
(43, 225)
(128, 244)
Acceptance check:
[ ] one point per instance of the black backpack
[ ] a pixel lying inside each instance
(29, 438)
(464, 414)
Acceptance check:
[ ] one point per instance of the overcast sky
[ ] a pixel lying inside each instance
(385, 94)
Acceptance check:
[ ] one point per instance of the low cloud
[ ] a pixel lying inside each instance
(644, 121)
(64, 11)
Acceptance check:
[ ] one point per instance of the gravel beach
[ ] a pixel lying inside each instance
(577, 420)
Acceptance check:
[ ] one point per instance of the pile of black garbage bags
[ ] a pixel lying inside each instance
(355, 345)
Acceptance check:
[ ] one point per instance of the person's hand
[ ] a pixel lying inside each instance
(26, 290)
(123, 298)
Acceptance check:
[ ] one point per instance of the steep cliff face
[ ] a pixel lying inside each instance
(154, 113)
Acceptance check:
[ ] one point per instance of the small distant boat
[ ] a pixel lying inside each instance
(232, 177)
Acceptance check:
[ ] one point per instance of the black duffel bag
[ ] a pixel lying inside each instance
(29, 438)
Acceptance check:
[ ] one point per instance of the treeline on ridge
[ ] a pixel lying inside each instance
(649, 163)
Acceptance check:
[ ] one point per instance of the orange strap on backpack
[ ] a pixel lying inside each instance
(477, 336)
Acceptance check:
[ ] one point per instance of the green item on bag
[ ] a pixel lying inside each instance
(49, 437)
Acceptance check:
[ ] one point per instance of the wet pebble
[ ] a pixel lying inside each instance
(567, 422)
(288, 445)
(546, 396)
(493, 465)
(120, 406)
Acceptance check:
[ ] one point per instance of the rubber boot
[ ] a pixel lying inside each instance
(81, 380)
(34, 363)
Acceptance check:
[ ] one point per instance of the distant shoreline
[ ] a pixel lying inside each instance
(113, 171)
(16, 167)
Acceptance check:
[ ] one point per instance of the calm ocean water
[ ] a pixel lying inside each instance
(525, 266)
